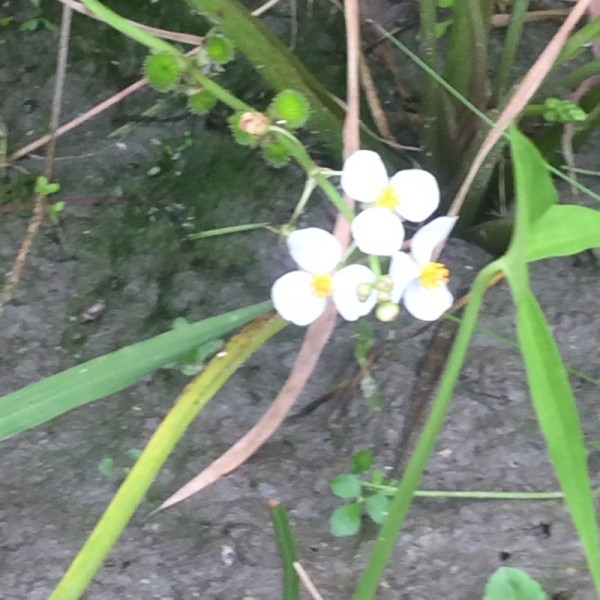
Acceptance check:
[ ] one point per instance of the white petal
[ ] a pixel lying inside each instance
(378, 231)
(345, 292)
(418, 192)
(295, 300)
(314, 250)
(364, 176)
(403, 270)
(424, 242)
(427, 304)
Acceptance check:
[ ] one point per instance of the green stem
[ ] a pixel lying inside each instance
(509, 48)
(391, 490)
(286, 544)
(402, 500)
(375, 265)
(302, 157)
(129, 29)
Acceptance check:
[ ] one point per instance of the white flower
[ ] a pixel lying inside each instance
(412, 194)
(301, 296)
(420, 282)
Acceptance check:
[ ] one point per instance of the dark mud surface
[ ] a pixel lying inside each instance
(125, 247)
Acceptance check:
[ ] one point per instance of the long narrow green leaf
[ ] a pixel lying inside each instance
(531, 174)
(559, 421)
(546, 374)
(55, 395)
(286, 544)
(194, 397)
(578, 41)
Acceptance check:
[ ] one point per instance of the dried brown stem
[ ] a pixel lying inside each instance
(40, 199)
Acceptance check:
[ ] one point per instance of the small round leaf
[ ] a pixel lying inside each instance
(377, 507)
(345, 520)
(346, 486)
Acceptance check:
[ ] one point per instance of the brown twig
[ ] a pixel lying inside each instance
(311, 588)
(40, 199)
(502, 20)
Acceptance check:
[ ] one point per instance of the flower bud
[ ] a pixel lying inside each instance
(254, 123)
(387, 312)
(364, 291)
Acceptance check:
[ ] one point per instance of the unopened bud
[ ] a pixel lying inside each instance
(383, 296)
(388, 282)
(387, 312)
(364, 291)
(254, 123)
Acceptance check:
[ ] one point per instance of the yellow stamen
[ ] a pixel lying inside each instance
(322, 285)
(388, 198)
(434, 274)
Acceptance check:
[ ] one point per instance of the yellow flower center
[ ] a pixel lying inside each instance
(387, 198)
(433, 275)
(322, 285)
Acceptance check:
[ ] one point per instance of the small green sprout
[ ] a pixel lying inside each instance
(44, 187)
(347, 519)
(55, 209)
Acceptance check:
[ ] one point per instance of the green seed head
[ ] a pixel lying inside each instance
(291, 107)
(276, 154)
(162, 71)
(219, 49)
(201, 102)
(237, 124)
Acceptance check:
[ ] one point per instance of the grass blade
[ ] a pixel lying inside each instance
(194, 397)
(39, 402)
(286, 544)
(559, 421)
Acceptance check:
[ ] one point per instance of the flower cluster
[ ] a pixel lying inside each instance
(414, 279)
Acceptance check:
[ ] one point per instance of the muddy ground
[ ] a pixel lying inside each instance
(126, 246)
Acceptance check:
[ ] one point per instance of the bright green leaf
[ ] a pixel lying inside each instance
(362, 460)
(563, 230)
(55, 395)
(346, 486)
(579, 41)
(534, 187)
(377, 507)
(345, 520)
(558, 419)
(508, 583)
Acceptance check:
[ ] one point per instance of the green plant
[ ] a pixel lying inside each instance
(38, 20)
(513, 584)
(346, 520)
